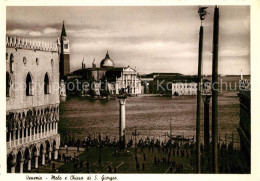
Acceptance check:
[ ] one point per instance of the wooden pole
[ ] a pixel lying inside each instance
(215, 92)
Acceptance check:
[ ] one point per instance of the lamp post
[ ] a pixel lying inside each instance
(202, 13)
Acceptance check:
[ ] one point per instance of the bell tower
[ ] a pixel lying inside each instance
(64, 54)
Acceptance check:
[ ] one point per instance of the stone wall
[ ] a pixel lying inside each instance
(38, 63)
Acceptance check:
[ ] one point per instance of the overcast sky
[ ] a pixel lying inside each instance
(152, 39)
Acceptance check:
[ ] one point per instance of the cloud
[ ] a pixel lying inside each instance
(34, 33)
(50, 31)
(151, 38)
(20, 32)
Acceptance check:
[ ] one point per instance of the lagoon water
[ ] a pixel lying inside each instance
(149, 115)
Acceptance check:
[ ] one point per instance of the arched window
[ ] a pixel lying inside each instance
(29, 85)
(46, 84)
(8, 85)
(11, 63)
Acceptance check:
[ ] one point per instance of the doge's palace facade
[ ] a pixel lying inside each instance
(32, 103)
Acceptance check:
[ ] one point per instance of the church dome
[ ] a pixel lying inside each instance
(107, 62)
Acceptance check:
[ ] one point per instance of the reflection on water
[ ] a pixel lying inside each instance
(149, 115)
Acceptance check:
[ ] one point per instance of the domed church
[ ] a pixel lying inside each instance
(107, 62)
(116, 78)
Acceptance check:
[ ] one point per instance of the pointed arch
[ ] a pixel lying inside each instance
(47, 84)
(11, 63)
(8, 84)
(29, 85)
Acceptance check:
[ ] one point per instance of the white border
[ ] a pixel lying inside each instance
(255, 86)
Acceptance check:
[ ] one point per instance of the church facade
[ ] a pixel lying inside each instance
(110, 78)
(32, 103)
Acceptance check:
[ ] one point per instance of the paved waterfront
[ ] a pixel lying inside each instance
(147, 158)
(149, 115)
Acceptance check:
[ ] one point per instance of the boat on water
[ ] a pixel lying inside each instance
(97, 97)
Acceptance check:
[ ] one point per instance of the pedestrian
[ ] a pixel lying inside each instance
(171, 169)
(137, 166)
(155, 160)
(114, 169)
(81, 163)
(53, 167)
(143, 166)
(76, 165)
(87, 165)
(109, 169)
(144, 157)
(67, 149)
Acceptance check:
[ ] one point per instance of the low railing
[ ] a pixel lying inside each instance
(24, 140)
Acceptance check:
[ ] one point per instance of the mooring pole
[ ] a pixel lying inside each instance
(215, 92)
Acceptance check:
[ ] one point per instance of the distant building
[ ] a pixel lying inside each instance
(108, 78)
(172, 84)
(184, 88)
(32, 103)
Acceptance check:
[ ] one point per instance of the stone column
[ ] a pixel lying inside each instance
(50, 153)
(29, 164)
(56, 127)
(44, 130)
(18, 137)
(122, 101)
(36, 161)
(14, 137)
(55, 154)
(26, 131)
(43, 158)
(21, 166)
(33, 132)
(13, 169)
(13, 164)
(50, 131)
(22, 135)
(36, 135)
(30, 130)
